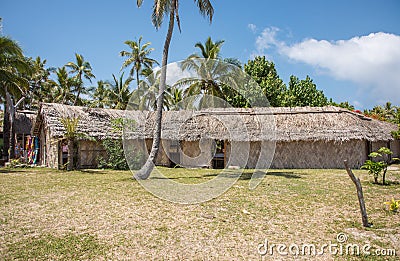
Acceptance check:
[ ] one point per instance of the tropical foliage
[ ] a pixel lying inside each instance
(138, 58)
(71, 133)
(379, 163)
(29, 81)
(387, 112)
(303, 93)
(14, 69)
(265, 74)
(80, 69)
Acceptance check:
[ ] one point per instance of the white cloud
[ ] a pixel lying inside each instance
(175, 73)
(267, 39)
(252, 27)
(371, 61)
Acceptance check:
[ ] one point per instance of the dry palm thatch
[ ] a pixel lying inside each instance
(24, 121)
(269, 124)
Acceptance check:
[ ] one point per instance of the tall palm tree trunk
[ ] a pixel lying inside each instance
(137, 81)
(6, 130)
(78, 94)
(10, 112)
(147, 168)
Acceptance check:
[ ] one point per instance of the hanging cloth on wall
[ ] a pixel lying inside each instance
(28, 149)
(32, 148)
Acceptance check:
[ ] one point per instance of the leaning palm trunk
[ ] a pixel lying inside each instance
(6, 129)
(10, 113)
(147, 168)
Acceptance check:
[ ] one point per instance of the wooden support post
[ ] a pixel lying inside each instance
(360, 195)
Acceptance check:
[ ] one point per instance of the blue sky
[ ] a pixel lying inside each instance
(351, 49)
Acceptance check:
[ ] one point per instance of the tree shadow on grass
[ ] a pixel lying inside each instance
(288, 175)
(387, 183)
(13, 170)
(95, 171)
(244, 176)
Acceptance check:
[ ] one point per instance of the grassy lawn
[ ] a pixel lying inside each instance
(50, 214)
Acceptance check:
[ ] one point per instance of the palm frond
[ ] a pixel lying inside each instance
(206, 9)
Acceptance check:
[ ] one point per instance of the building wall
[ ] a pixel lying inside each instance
(52, 151)
(89, 153)
(261, 155)
(319, 154)
(197, 153)
(238, 154)
(395, 147)
(379, 144)
(42, 148)
(300, 154)
(162, 159)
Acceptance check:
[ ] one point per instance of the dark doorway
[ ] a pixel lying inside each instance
(218, 161)
(174, 155)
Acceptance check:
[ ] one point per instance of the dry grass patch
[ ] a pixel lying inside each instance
(49, 214)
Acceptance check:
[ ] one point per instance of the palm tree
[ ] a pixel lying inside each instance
(211, 77)
(389, 111)
(101, 95)
(174, 98)
(62, 91)
(145, 97)
(81, 69)
(211, 72)
(71, 126)
(160, 9)
(40, 87)
(210, 50)
(119, 91)
(13, 65)
(137, 57)
(14, 69)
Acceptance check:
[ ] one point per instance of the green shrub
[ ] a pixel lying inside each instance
(377, 168)
(116, 159)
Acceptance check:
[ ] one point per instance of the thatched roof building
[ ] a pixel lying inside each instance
(280, 124)
(299, 129)
(289, 124)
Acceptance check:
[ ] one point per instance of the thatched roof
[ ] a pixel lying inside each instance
(95, 122)
(281, 124)
(24, 121)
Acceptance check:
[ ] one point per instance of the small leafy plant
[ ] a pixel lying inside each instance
(377, 168)
(394, 205)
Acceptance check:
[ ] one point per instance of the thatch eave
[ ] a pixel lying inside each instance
(256, 124)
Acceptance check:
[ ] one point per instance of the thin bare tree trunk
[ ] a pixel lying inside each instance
(147, 168)
(360, 195)
(70, 163)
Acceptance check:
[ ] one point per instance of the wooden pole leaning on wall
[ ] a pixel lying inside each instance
(360, 195)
